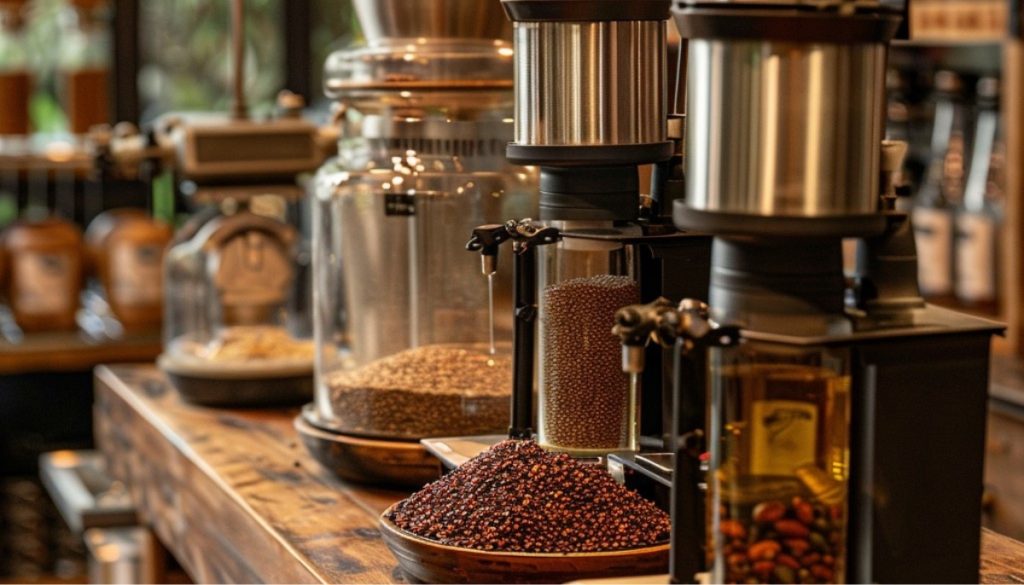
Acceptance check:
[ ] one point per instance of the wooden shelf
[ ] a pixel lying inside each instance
(74, 351)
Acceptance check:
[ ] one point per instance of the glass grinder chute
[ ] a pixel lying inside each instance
(591, 108)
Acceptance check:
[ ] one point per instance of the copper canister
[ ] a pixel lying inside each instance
(126, 249)
(46, 265)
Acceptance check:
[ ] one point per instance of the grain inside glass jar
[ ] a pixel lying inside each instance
(428, 391)
(585, 394)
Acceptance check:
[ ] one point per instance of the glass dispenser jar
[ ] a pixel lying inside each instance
(410, 345)
(588, 406)
(47, 267)
(227, 284)
(15, 73)
(779, 430)
(85, 63)
(126, 249)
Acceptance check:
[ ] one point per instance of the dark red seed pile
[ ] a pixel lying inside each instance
(517, 497)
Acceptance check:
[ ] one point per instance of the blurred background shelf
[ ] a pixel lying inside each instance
(74, 351)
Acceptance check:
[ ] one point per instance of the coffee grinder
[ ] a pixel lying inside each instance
(591, 103)
(845, 420)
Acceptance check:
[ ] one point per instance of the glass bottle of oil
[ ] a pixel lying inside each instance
(779, 460)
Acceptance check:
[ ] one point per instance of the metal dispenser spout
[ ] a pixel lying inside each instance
(525, 235)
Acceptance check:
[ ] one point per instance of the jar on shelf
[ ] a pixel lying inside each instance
(15, 73)
(227, 283)
(126, 250)
(46, 269)
(84, 63)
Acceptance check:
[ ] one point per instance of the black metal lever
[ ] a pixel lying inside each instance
(526, 236)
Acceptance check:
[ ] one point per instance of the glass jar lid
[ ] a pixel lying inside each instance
(419, 65)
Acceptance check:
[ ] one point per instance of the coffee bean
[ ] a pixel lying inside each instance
(791, 528)
(804, 512)
(788, 561)
(764, 550)
(769, 512)
(822, 572)
(797, 546)
(764, 569)
(810, 559)
(733, 529)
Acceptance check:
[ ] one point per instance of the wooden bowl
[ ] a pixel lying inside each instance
(399, 464)
(427, 561)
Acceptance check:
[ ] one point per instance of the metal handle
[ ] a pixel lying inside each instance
(525, 235)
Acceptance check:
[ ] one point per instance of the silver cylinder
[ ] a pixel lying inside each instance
(784, 129)
(410, 19)
(590, 83)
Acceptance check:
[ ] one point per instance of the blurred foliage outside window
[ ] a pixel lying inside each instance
(53, 39)
(185, 57)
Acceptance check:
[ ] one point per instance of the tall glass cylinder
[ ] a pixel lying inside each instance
(779, 440)
(587, 405)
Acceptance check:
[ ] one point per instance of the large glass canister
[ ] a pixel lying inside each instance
(587, 405)
(410, 345)
(779, 434)
(227, 283)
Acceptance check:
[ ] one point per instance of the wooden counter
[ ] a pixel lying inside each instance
(235, 497)
(233, 494)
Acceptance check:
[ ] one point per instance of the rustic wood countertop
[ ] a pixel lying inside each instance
(235, 497)
(233, 493)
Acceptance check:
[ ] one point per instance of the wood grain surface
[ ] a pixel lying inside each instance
(233, 494)
(236, 498)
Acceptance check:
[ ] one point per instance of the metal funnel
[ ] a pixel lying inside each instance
(479, 19)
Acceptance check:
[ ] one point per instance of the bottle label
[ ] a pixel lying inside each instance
(933, 234)
(976, 258)
(42, 283)
(400, 204)
(783, 436)
(136, 274)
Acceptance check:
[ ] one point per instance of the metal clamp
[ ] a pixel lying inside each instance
(663, 323)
